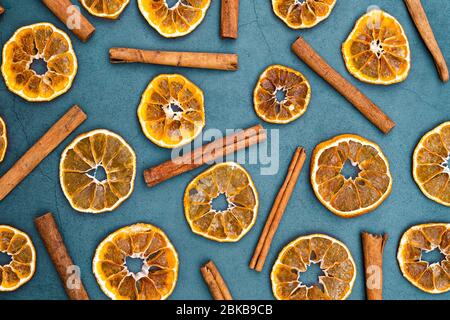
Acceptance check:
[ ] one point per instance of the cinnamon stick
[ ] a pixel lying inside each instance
(200, 60)
(373, 248)
(205, 154)
(49, 232)
(71, 16)
(277, 212)
(229, 19)
(426, 32)
(370, 110)
(2, 10)
(41, 149)
(215, 282)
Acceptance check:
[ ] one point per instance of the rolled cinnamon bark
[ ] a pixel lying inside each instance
(201, 60)
(64, 265)
(373, 249)
(216, 284)
(426, 32)
(369, 109)
(229, 19)
(71, 16)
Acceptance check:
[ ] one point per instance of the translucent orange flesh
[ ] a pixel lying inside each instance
(302, 14)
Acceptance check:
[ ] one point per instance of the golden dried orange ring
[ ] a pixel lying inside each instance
(349, 197)
(429, 277)
(97, 171)
(377, 50)
(296, 93)
(171, 112)
(19, 247)
(39, 42)
(176, 21)
(302, 14)
(228, 224)
(158, 275)
(333, 258)
(3, 139)
(108, 9)
(431, 164)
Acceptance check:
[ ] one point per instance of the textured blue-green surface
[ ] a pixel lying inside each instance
(110, 94)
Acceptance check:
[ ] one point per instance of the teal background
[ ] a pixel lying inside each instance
(109, 94)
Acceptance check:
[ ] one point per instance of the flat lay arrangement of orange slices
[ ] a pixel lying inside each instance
(171, 112)
(3, 139)
(429, 277)
(45, 43)
(431, 164)
(294, 89)
(301, 14)
(108, 9)
(18, 246)
(158, 276)
(334, 259)
(377, 50)
(97, 171)
(350, 197)
(228, 224)
(177, 20)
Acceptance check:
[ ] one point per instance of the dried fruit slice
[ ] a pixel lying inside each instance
(3, 139)
(229, 224)
(18, 246)
(431, 164)
(333, 258)
(97, 171)
(109, 9)
(178, 20)
(377, 50)
(171, 111)
(40, 43)
(429, 277)
(301, 14)
(295, 94)
(159, 271)
(349, 197)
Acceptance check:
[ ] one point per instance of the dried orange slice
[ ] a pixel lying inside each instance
(295, 94)
(349, 197)
(171, 111)
(334, 260)
(377, 50)
(230, 222)
(109, 9)
(158, 274)
(18, 246)
(3, 139)
(431, 164)
(97, 171)
(178, 20)
(39, 43)
(302, 14)
(429, 277)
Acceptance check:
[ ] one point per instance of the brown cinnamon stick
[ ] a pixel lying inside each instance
(426, 32)
(41, 149)
(370, 110)
(200, 60)
(215, 282)
(277, 212)
(373, 248)
(71, 16)
(49, 232)
(2, 10)
(229, 19)
(205, 154)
